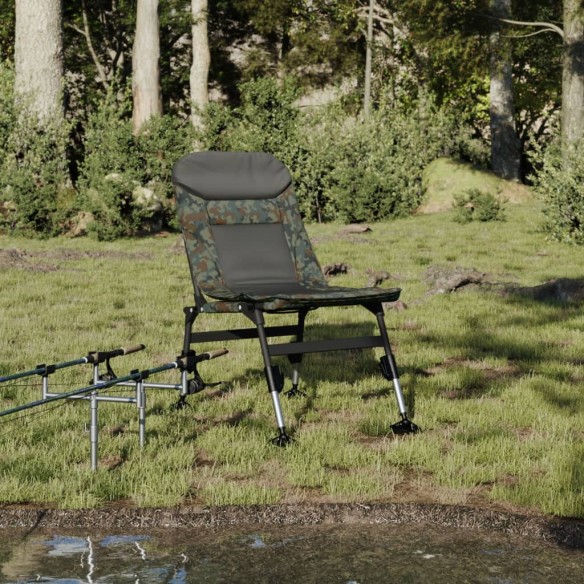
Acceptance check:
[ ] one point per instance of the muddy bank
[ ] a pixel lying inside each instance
(564, 532)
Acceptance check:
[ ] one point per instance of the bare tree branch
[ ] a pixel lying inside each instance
(524, 36)
(545, 26)
(86, 33)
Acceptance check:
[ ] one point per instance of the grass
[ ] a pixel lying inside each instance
(446, 177)
(495, 381)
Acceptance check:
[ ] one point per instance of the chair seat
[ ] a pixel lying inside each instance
(294, 296)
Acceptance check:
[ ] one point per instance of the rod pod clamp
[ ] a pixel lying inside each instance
(188, 362)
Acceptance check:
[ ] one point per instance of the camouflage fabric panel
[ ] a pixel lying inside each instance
(247, 212)
(307, 266)
(331, 296)
(198, 238)
(328, 296)
(215, 307)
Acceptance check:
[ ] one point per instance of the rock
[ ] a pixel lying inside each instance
(335, 269)
(7, 208)
(145, 198)
(444, 280)
(376, 278)
(398, 306)
(355, 228)
(78, 226)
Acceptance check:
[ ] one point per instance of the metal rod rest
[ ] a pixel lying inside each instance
(103, 398)
(92, 357)
(94, 387)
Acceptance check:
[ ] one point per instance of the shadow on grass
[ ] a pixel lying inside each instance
(524, 331)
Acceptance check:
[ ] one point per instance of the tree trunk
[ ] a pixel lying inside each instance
(201, 61)
(145, 68)
(573, 73)
(505, 145)
(38, 57)
(368, 58)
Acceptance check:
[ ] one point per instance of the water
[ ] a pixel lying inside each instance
(309, 554)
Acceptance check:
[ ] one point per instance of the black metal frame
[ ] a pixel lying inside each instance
(295, 350)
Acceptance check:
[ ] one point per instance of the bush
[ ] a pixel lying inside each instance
(125, 180)
(36, 195)
(477, 205)
(560, 185)
(344, 167)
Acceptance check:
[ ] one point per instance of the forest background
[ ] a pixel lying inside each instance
(99, 99)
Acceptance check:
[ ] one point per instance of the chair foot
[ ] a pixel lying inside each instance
(282, 439)
(405, 426)
(294, 392)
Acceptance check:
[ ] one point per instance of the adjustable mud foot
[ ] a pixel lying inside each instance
(294, 392)
(182, 403)
(405, 426)
(282, 439)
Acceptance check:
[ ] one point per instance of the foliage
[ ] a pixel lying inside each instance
(381, 177)
(340, 172)
(559, 182)
(125, 180)
(7, 9)
(478, 205)
(35, 191)
(265, 121)
(319, 42)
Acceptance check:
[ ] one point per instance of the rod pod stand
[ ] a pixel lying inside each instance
(189, 361)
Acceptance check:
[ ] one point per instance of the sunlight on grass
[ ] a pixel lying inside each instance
(494, 379)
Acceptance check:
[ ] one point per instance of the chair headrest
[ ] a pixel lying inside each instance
(231, 175)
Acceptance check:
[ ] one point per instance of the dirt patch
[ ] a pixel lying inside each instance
(508, 370)
(562, 290)
(446, 280)
(22, 260)
(51, 261)
(564, 532)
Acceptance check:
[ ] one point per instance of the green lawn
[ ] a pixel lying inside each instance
(495, 380)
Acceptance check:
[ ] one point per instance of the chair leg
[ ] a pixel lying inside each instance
(274, 380)
(296, 360)
(390, 372)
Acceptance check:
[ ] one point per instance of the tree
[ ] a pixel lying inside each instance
(505, 146)
(38, 57)
(199, 77)
(573, 73)
(145, 70)
(319, 42)
(572, 34)
(6, 30)
(106, 28)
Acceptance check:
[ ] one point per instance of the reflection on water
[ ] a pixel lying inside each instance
(336, 554)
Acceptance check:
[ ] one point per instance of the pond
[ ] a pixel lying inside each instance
(344, 554)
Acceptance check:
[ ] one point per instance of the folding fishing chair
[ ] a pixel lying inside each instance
(249, 253)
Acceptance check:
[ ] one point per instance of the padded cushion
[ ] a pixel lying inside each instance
(231, 175)
(251, 255)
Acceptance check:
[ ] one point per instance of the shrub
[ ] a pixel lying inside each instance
(36, 195)
(381, 159)
(477, 205)
(560, 185)
(344, 167)
(125, 180)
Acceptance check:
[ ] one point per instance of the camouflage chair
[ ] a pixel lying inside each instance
(249, 253)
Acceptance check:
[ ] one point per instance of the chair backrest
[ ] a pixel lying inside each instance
(240, 222)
